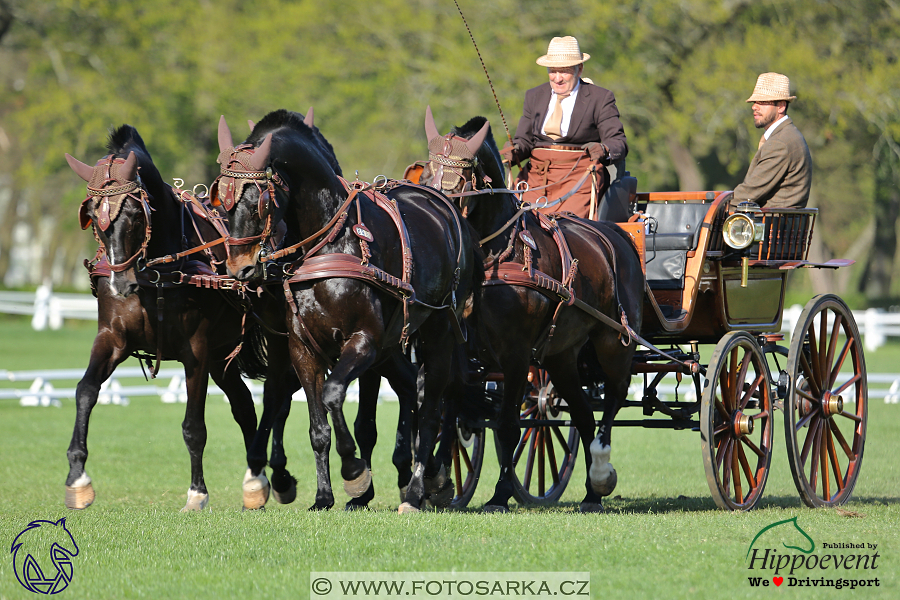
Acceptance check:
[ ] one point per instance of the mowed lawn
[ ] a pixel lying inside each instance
(661, 536)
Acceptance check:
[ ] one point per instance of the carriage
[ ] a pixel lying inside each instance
(711, 278)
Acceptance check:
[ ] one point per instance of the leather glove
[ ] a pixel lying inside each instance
(596, 150)
(512, 152)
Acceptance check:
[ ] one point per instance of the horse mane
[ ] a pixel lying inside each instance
(283, 118)
(488, 155)
(125, 139)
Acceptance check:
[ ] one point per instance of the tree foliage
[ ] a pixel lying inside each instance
(681, 71)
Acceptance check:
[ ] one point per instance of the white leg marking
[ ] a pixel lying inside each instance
(602, 474)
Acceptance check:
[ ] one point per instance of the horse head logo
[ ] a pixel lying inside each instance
(801, 541)
(40, 545)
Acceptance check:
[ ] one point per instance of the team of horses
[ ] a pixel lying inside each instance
(291, 273)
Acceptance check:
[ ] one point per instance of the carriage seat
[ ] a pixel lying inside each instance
(672, 230)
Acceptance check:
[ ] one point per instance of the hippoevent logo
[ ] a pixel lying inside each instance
(42, 556)
(784, 554)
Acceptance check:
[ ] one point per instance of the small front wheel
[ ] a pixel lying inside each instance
(736, 429)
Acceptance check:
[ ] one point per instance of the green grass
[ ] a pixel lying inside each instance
(661, 536)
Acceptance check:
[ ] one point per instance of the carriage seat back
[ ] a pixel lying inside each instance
(673, 230)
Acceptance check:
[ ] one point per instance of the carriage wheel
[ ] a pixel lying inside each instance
(736, 429)
(544, 459)
(467, 453)
(827, 406)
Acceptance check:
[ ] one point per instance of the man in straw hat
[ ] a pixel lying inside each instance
(781, 171)
(569, 125)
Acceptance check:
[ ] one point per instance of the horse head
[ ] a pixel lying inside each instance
(261, 177)
(117, 206)
(465, 159)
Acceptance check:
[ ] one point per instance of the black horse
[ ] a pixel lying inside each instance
(373, 270)
(539, 306)
(136, 217)
(402, 377)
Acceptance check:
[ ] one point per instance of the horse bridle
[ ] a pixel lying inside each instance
(236, 179)
(102, 196)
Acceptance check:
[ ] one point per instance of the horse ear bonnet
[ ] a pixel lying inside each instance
(228, 189)
(451, 152)
(108, 173)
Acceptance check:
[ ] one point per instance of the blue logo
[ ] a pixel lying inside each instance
(42, 556)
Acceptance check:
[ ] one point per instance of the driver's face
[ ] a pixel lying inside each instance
(563, 79)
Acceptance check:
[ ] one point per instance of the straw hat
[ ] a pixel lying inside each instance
(771, 87)
(563, 52)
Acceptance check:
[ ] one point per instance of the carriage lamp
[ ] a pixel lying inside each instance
(743, 227)
(741, 230)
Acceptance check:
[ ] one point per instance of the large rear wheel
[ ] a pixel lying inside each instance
(827, 405)
(736, 428)
(544, 459)
(467, 453)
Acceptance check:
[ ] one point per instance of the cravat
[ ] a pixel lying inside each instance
(762, 140)
(554, 125)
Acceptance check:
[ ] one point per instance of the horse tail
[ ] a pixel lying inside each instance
(252, 361)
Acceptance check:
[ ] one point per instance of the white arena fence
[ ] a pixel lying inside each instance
(49, 309)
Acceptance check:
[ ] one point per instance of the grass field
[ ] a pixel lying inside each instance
(661, 536)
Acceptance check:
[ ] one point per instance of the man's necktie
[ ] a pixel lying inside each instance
(554, 125)
(762, 140)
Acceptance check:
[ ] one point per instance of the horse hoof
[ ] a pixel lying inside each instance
(494, 508)
(350, 506)
(442, 498)
(358, 486)
(256, 491)
(195, 501)
(407, 508)
(80, 497)
(591, 507)
(606, 487)
(287, 496)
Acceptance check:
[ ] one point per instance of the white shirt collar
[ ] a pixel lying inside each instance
(774, 125)
(571, 95)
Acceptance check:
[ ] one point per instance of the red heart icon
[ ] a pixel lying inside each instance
(778, 580)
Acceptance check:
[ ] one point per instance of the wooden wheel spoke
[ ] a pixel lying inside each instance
(848, 383)
(835, 464)
(736, 473)
(518, 453)
(807, 396)
(529, 465)
(851, 416)
(810, 376)
(721, 429)
(742, 373)
(845, 351)
(811, 434)
(562, 441)
(814, 456)
(458, 449)
(722, 411)
(465, 456)
(751, 391)
(760, 415)
(823, 343)
(726, 467)
(823, 465)
(551, 458)
(836, 431)
(745, 465)
(832, 343)
(529, 412)
(722, 450)
(816, 366)
(724, 384)
(541, 443)
(749, 443)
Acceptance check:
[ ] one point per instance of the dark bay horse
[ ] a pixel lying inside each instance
(136, 217)
(373, 270)
(529, 311)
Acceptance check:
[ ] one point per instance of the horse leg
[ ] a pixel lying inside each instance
(365, 430)
(311, 374)
(507, 434)
(563, 371)
(356, 358)
(435, 349)
(402, 375)
(284, 485)
(107, 352)
(616, 362)
(193, 428)
(241, 401)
